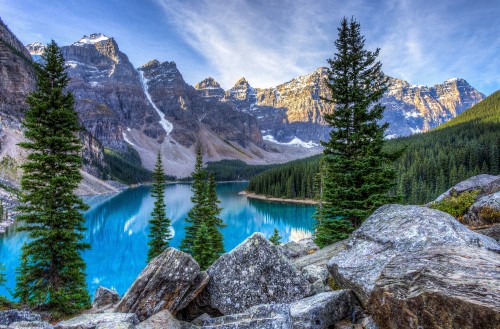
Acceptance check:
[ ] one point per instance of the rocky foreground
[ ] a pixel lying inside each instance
(405, 267)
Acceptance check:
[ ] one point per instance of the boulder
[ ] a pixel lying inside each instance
(298, 249)
(320, 257)
(10, 316)
(393, 230)
(104, 296)
(270, 316)
(442, 287)
(254, 273)
(322, 310)
(318, 276)
(486, 184)
(116, 325)
(30, 325)
(101, 320)
(169, 282)
(485, 211)
(492, 231)
(161, 320)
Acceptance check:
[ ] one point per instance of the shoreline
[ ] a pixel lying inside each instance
(273, 199)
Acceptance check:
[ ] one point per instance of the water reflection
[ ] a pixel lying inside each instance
(118, 229)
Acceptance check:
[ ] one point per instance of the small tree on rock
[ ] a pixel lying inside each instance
(276, 237)
(159, 229)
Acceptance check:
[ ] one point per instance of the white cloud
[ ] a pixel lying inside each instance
(266, 43)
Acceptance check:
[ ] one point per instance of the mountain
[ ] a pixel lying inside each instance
(17, 80)
(294, 110)
(432, 162)
(129, 114)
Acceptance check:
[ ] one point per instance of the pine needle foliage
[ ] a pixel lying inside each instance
(276, 237)
(358, 172)
(159, 224)
(51, 274)
(203, 239)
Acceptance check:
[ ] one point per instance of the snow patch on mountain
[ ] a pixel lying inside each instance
(294, 142)
(167, 125)
(125, 138)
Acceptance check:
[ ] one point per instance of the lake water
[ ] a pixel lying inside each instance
(117, 229)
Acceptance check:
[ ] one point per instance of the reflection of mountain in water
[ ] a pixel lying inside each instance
(117, 229)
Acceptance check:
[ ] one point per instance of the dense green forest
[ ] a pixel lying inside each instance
(126, 167)
(226, 170)
(290, 180)
(431, 163)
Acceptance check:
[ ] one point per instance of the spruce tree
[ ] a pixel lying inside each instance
(52, 271)
(213, 221)
(276, 237)
(159, 229)
(199, 200)
(359, 173)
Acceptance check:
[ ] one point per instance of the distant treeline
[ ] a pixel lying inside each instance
(226, 170)
(431, 163)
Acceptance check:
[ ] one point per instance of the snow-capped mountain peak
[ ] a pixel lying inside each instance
(36, 48)
(91, 39)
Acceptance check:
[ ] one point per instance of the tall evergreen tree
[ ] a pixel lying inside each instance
(359, 173)
(199, 200)
(52, 271)
(213, 220)
(159, 230)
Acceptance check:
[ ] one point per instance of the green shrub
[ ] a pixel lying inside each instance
(489, 215)
(456, 204)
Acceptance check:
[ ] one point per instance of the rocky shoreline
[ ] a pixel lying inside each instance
(404, 267)
(272, 199)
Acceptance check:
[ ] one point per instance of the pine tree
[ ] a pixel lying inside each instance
(214, 222)
(202, 248)
(199, 200)
(159, 229)
(276, 237)
(360, 173)
(52, 271)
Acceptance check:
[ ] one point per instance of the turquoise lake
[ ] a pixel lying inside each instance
(117, 229)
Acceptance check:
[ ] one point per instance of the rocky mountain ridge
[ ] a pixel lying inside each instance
(141, 111)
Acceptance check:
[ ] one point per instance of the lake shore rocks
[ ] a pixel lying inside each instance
(104, 296)
(442, 287)
(254, 273)
(395, 231)
(294, 250)
(169, 282)
(322, 310)
(486, 184)
(101, 320)
(485, 211)
(10, 316)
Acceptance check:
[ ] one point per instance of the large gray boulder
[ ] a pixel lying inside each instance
(269, 316)
(100, 320)
(298, 249)
(169, 282)
(441, 287)
(394, 231)
(30, 325)
(254, 273)
(104, 296)
(9, 316)
(162, 320)
(322, 310)
(492, 231)
(486, 184)
(320, 257)
(485, 211)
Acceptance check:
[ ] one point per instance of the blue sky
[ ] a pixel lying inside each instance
(270, 42)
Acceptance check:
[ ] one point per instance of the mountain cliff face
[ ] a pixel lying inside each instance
(294, 110)
(109, 95)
